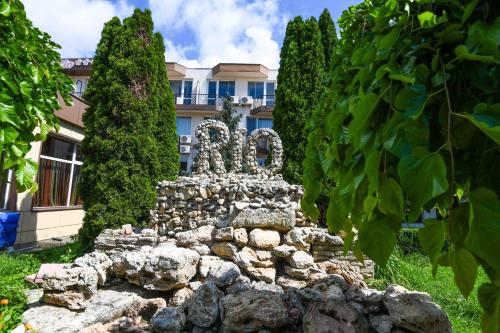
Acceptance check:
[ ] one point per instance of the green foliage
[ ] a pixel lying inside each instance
(130, 139)
(30, 80)
(228, 115)
(328, 37)
(413, 272)
(301, 83)
(411, 121)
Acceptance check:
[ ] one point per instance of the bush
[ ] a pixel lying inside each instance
(407, 242)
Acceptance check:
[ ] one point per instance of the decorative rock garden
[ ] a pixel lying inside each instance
(226, 253)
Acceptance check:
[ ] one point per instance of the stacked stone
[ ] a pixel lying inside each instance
(119, 240)
(277, 151)
(209, 151)
(191, 202)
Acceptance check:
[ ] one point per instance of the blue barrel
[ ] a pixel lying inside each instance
(9, 222)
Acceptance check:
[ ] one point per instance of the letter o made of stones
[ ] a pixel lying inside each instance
(276, 154)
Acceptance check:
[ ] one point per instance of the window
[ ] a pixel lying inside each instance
(184, 163)
(226, 88)
(58, 174)
(78, 88)
(256, 89)
(270, 94)
(176, 87)
(212, 92)
(254, 123)
(188, 90)
(183, 125)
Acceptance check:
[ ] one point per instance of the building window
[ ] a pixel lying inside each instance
(226, 88)
(188, 91)
(254, 123)
(78, 88)
(256, 89)
(184, 163)
(58, 174)
(270, 99)
(183, 125)
(212, 92)
(176, 86)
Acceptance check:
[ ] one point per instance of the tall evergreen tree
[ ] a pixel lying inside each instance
(328, 37)
(130, 140)
(300, 85)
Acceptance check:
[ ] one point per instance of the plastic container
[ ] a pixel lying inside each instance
(9, 221)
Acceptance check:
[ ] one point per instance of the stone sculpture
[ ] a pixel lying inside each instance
(213, 135)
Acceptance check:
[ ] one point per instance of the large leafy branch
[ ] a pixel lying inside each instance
(30, 79)
(411, 122)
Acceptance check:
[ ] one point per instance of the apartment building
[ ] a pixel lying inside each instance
(55, 210)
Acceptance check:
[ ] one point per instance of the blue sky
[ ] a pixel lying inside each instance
(196, 32)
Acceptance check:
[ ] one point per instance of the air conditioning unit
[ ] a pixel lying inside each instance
(185, 149)
(246, 100)
(184, 139)
(233, 99)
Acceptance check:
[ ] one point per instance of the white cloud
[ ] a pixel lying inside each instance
(225, 30)
(76, 25)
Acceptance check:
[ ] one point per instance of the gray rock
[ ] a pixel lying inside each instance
(415, 311)
(334, 317)
(209, 264)
(224, 234)
(264, 239)
(203, 308)
(224, 249)
(104, 306)
(203, 250)
(180, 298)
(168, 320)
(201, 235)
(71, 288)
(98, 261)
(263, 286)
(301, 259)
(240, 237)
(227, 273)
(242, 283)
(284, 251)
(253, 310)
(298, 273)
(297, 238)
(170, 268)
(281, 220)
(288, 282)
(381, 323)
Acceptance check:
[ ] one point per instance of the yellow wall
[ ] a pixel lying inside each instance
(41, 225)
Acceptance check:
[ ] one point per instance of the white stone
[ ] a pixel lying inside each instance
(264, 239)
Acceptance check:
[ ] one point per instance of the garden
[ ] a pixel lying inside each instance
(396, 114)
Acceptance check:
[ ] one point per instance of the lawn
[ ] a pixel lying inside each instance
(413, 271)
(13, 269)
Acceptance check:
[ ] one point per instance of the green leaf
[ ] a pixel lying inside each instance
(484, 226)
(385, 45)
(372, 165)
(458, 224)
(412, 100)
(361, 114)
(468, 10)
(431, 238)
(8, 114)
(377, 239)
(423, 177)
(487, 118)
(5, 8)
(429, 19)
(25, 174)
(8, 135)
(391, 198)
(464, 267)
(489, 298)
(462, 52)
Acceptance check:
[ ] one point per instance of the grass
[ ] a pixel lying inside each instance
(413, 271)
(13, 269)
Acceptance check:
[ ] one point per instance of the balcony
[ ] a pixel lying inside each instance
(198, 102)
(263, 105)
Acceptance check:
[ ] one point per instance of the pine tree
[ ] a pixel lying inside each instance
(130, 140)
(328, 37)
(300, 85)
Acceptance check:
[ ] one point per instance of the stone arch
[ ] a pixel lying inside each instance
(208, 151)
(251, 152)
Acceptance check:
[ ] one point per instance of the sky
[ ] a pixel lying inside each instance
(197, 33)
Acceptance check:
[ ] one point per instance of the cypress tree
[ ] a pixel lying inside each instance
(300, 85)
(328, 37)
(130, 140)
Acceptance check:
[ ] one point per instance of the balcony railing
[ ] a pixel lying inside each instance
(265, 100)
(198, 99)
